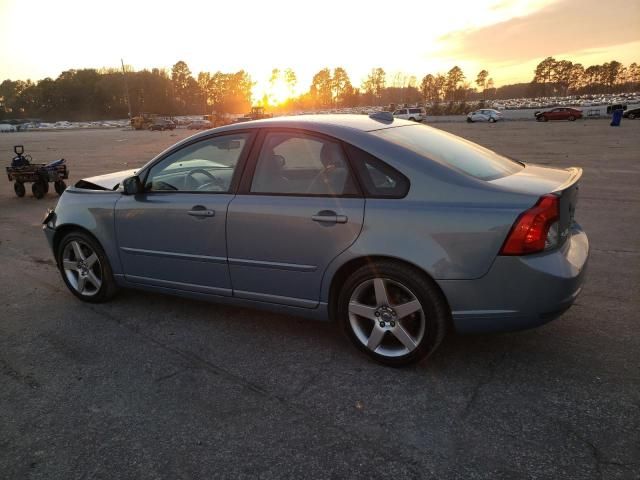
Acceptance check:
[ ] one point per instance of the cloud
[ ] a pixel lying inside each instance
(562, 27)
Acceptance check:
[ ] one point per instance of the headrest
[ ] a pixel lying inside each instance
(331, 155)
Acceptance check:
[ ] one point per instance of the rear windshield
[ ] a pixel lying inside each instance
(451, 150)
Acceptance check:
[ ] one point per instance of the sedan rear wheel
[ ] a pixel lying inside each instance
(85, 268)
(571, 118)
(393, 313)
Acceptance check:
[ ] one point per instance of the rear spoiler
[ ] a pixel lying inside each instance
(576, 174)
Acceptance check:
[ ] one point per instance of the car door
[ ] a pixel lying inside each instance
(298, 208)
(173, 234)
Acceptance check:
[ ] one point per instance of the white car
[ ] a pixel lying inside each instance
(484, 115)
(413, 114)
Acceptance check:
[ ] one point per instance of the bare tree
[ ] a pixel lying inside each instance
(291, 80)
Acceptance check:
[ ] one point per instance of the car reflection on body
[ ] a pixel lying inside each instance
(394, 229)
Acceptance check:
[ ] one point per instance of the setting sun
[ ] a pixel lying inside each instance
(277, 93)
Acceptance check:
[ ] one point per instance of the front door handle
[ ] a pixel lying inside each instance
(200, 211)
(329, 216)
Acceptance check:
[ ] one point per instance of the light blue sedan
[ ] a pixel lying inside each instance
(396, 230)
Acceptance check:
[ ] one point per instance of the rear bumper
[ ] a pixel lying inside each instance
(520, 292)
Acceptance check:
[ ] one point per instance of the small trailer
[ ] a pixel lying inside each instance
(40, 175)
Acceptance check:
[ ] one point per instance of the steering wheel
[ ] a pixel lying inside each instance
(190, 179)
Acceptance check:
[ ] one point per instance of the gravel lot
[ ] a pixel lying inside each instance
(159, 387)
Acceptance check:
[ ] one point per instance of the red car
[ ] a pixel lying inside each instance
(560, 113)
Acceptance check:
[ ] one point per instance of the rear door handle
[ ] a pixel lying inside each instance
(200, 211)
(327, 216)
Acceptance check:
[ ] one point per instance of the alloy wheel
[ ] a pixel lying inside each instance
(82, 268)
(386, 317)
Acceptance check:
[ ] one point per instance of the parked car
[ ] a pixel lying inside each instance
(560, 113)
(484, 115)
(200, 125)
(271, 214)
(162, 124)
(631, 114)
(413, 114)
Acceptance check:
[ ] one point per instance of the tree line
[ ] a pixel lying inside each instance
(89, 94)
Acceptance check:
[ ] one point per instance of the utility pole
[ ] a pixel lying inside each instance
(126, 86)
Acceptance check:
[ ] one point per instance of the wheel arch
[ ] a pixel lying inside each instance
(350, 266)
(67, 228)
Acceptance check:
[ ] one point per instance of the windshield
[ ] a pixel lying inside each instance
(451, 150)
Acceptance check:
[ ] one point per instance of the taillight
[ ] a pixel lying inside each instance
(535, 230)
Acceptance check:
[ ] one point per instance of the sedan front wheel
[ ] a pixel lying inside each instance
(85, 268)
(393, 313)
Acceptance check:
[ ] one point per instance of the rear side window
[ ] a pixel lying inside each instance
(414, 110)
(461, 154)
(378, 179)
(301, 164)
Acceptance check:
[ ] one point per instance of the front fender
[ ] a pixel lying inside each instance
(93, 211)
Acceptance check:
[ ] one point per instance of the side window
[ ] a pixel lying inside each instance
(378, 179)
(300, 164)
(205, 166)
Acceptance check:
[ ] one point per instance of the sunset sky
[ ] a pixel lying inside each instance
(42, 38)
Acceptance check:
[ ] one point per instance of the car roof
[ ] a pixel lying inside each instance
(349, 128)
(363, 123)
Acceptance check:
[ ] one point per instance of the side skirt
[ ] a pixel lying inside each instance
(321, 312)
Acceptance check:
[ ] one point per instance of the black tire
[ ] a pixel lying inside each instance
(60, 186)
(108, 288)
(38, 189)
(632, 116)
(469, 120)
(18, 187)
(412, 119)
(492, 120)
(436, 313)
(571, 118)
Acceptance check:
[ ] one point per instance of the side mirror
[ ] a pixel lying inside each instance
(132, 185)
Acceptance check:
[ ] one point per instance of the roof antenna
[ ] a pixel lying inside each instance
(386, 117)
